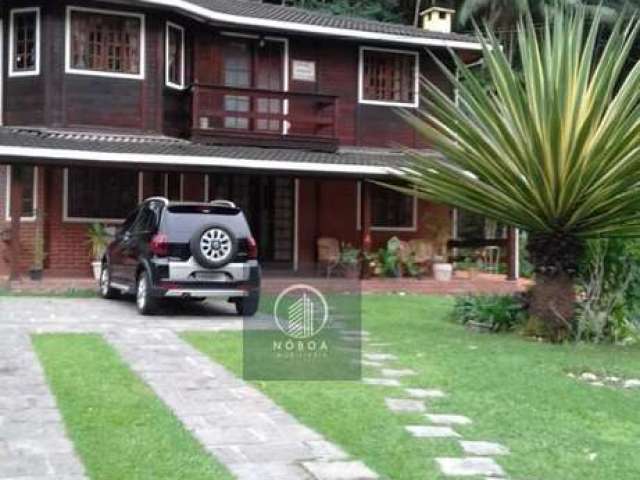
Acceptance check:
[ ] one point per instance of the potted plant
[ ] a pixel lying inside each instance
(98, 239)
(37, 267)
(439, 229)
(350, 261)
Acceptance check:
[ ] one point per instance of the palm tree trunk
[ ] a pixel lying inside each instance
(556, 258)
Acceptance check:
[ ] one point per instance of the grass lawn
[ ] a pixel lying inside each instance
(516, 392)
(120, 429)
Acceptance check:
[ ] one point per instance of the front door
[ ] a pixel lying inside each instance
(268, 203)
(254, 64)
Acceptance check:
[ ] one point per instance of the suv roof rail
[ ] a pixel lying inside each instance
(160, 199)
(223, 203)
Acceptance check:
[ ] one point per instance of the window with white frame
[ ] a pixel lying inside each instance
(175, 56)
(104, 42)
(24, 42)
(392, 210)
(389, 77)
(29, 191)
(99, 194)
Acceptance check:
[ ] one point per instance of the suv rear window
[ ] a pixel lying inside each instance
(180, 222)
(203, 209)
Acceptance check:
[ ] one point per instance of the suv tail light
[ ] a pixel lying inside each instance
(252, 248)
(160, 245)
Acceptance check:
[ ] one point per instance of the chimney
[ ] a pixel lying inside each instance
(438, 19)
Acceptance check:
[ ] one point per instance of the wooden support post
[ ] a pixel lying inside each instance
(365, 217)
(514, 254)
(17, 187)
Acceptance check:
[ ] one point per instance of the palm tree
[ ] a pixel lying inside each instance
(553, 148)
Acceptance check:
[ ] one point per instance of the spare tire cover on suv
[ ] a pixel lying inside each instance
(213, 246)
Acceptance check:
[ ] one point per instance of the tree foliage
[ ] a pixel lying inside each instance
(382, 10)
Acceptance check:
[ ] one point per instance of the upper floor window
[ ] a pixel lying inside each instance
(389, 77)
(175, 55)
(106, 43)
(24, 41)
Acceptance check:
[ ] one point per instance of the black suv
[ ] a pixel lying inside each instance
(188, 251)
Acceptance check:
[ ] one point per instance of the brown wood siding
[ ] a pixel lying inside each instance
(57, 99)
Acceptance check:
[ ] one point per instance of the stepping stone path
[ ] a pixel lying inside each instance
(470, 467)
(235, 422)
(422, 431)
(477, 464)
(448, 419)
(424, 393)
(384, 382)
(404, 405)
(484, 449)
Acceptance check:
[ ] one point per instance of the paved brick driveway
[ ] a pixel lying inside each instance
(235, 422)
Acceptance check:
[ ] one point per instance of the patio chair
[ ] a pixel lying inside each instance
(422, 252)
(491, 259)
(328, 255)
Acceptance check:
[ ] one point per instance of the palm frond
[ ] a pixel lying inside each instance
(553, 148)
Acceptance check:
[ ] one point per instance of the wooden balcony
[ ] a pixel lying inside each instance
(265, 118)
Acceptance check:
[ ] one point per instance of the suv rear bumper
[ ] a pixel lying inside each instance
(202, 293)
(188, 280)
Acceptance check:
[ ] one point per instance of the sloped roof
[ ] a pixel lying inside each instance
(268, 16)
(36, 145)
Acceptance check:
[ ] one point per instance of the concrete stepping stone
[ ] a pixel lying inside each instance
(384, 382)
(379, 357)
(369, 363)
(393, 373)
(448, 419)
(424, 431)
(405, 405)
(483, 449)
(340, 471)
(470, 467)
(424, 393)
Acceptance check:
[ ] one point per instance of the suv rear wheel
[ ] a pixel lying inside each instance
(147, 304)
(106, 290)
(248, 306)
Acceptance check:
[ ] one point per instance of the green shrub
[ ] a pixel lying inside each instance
(609, 292)
(499, 313)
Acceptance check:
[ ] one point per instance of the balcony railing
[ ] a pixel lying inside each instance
(230, 115)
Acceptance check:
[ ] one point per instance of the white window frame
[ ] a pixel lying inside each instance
(65, 206)
(7, 203)
(25, 73)
(416, 88)
(96, 73)
(412, 228)
(168, 82)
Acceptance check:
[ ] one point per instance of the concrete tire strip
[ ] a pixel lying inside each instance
(33, 442)
(244, 429)
(478, 461)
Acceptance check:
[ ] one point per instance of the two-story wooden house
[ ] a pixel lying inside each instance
(285, 111)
